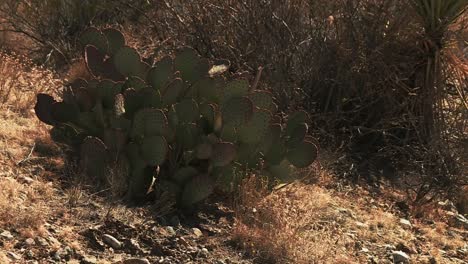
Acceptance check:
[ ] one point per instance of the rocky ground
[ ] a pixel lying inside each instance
(48, 216)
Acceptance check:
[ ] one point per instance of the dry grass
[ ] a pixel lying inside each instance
(20, 81)
(309, 224)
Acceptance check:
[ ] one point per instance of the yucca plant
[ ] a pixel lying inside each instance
(436, 16)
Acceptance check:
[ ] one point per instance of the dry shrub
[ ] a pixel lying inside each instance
(297, 224)
(20, 81)
(23, 207)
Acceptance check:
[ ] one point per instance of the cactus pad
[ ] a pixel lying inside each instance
(173, 92)
(204, 151)
(154, 150)
(190, 66)
(294, 120)
(236, 88)
(127, 61)
(158, 77)
(187, 111)
(223, 154)
(303, 155)
(263, 100)
(183, 174)
(257, 127)
(237, 111)
(148, 122)
(197, 189)
(43, 108)
(115, 40)
(93, 36)
(64, 112)
(93, 158)
(297, 135)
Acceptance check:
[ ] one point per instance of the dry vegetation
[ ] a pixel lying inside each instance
(359, 84)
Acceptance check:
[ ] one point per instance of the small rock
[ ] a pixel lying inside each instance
(361, 225)
(7, 235)
(63, 253)
(365, 250)
(29, 242)
(136, 261)
(203, 252)
(170, 230)
(13, 256)
(458, 220)
(405, 223)
(52, 240)
(448, 206)
(219, 262)
(111, 241)
(400, 257)
(89, 260)
(42, 242)
(197, 232)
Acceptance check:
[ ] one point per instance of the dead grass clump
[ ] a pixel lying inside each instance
(297, 224)
(20, 81)
(23, 207)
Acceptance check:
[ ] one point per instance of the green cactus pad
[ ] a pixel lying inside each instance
(229, 133)
(154, 150)
(134, 82)
(227, 178)
(127, 62)
(115, 140)
(190, 66)
(255, 130)
(150, 98)
(236, 88)
(282, 172)
(206, 90)
(248, 155)
(120, 122)
(107, 90)
(187, 135)
(133, 102)
(148, 122)
(93, 36)
(64, 112)
(93, 155)
(196, 190)
(208, 112)
(140, 182)
(115, 40)
(173, 92)
(187, 111)
(182, 175)
(172, 117)
(263, 100)
(43, 108)
(294, 120)
(78, 83)
(223, 154)
(87, 121)
(303, 155)
(298, 135)
(271, 137)
(237, 111)
(84, 99)
(94, 60)
(158, 77)
(204, 151)
(276, 153)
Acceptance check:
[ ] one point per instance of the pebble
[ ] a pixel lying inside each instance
(7, 235)
(400, 257)
(29, 242)
(13, 256)
(136, 261)
(170, 230)
(406, 223)
(197, 232)
(111, 241)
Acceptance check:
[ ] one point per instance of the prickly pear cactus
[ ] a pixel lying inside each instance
(179, 117)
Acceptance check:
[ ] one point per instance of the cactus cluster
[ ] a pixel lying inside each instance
(178, 116)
